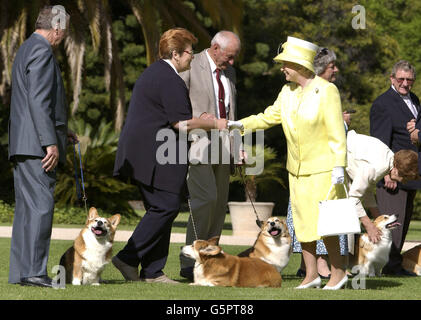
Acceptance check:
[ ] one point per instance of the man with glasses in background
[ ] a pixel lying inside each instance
(389, 116)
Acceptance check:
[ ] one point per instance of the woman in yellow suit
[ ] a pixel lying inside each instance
(309, 109)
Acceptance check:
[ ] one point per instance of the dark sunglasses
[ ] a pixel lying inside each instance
(408, 80)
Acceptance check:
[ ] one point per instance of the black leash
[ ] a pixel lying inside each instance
(79, 186)
(258, 221)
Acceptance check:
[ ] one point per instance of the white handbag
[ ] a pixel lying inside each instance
(337, 217)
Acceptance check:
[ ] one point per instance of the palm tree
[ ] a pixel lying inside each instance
(157, 16)
(154, 16)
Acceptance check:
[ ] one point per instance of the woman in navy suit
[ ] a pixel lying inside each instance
(160, 106)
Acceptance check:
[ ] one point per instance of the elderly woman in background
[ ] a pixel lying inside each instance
(160, 101)
(325, 67)
(309, 109)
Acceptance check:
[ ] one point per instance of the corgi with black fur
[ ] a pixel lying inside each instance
(91, 251)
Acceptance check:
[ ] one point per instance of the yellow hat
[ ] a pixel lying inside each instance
(298, 51)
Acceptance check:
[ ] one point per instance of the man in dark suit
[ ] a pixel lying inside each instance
(389, 116)
(37, 144)
(152, 152)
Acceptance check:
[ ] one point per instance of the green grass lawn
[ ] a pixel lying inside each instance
(384, 288)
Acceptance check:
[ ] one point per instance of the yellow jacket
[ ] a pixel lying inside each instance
(313, 126)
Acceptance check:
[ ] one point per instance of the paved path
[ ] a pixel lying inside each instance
(123, 235)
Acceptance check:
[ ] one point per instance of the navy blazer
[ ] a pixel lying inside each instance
(389, 115)
(159, 99)
(38, 110)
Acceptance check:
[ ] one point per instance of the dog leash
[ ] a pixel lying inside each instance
(258, 221)
(191, 217)
(78, 184)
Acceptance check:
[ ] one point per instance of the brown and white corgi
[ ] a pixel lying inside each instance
(372, 257)
(273, 244)
(91, 251)
(214, 267)
(412, 260)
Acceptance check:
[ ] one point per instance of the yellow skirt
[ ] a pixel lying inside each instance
(305, 193)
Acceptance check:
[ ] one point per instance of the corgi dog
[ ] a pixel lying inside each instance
(273, 244)
(372, 257)
(412, 260)
(91, 250)
(214, 267)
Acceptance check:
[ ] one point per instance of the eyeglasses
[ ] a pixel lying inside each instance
(189, 52)
(408, 80)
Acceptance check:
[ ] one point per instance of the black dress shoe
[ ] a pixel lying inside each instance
(187, 273)
(41, 281)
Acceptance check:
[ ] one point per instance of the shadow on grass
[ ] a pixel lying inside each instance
(378, 284)
(113, 281)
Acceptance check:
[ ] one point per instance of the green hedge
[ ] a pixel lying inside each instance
(66, 215)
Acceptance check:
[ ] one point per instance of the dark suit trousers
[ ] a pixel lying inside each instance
(400, 203)
(150, 241)
(32, 222)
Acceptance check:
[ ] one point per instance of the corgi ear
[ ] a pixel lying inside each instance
(285, 231)
(214, 241)
(211, 250)
(92, 214)
(115, 220)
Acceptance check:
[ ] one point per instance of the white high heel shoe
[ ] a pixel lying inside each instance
(316, 283)
(339, 285)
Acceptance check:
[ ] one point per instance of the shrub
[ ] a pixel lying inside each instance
(98, 147)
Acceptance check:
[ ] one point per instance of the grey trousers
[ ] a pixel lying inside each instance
(400, 203)
(32, 223)
(208, 189)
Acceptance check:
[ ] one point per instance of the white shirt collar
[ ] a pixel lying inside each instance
(172, 66)
(407, 96)
(211, 62)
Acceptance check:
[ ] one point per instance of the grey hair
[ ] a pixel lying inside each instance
(403, 65)
(323, 57)
(223, 39)
(50, 15)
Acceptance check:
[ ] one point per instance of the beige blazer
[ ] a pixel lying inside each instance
(200, 85)
(199, 81)
(369, 160)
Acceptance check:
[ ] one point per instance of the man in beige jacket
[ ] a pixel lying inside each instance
(369, 160)
(211, 83)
